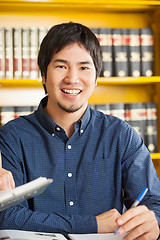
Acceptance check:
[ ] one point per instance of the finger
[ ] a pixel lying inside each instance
(12, 183)
(150, 235)
(6, 180)
(131, 213)
(140, 220)
(144, 223)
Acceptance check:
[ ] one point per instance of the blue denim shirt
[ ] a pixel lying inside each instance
(104, 165)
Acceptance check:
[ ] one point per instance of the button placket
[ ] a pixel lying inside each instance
(70, 179)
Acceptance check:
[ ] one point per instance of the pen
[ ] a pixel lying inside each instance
(138, 200)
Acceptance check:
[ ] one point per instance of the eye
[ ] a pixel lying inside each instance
(84, 68)
(61, 66)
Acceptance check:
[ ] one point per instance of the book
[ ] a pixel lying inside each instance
(151, 137)
(33, 39)
(105, 108)
(7, 113)
(96, 236)
(25, 53)
(26, 235)
(17, 53)
(9, 52)
(147, 51)
(134, 52)
(2, 54)
(120, 60)
(21, 193)
(136, 115)
(105, 40)
(22, 110)
(118, 110)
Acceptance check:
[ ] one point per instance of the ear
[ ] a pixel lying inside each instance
(43, 79)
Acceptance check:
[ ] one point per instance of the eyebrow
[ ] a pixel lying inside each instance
(65, 61)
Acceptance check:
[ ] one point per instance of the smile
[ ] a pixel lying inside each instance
(71, 91)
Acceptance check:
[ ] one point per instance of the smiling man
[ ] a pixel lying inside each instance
(98, 162)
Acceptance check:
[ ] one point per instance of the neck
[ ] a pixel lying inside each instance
(64, 119)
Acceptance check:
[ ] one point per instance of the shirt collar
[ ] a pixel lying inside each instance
(50, 125)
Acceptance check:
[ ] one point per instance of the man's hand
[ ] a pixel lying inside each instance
(140, 223)
(6, 180)
(107, 221)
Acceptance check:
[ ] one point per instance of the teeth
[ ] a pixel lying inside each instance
(71, 92)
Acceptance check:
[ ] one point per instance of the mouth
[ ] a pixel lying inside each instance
(72, 91)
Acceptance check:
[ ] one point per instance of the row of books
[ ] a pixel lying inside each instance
(8, 113)
(141, 116)
(18, 52)
(126, 52)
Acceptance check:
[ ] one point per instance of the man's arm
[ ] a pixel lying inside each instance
(20, 217)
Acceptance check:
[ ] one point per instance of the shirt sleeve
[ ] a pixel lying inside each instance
(138, 172)
(21, 218)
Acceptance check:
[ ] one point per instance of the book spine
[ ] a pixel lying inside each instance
(151, 137)
(25, 53)
(33, 53)
(134, 52)
(105, 40)
(7, 114)
(120, 60)
(118, 110)
(136, 116)
(147, 51)
(9, 53)
(17, 53)
(125, 50)
(2, 53)
(105, 108)
(22, 110)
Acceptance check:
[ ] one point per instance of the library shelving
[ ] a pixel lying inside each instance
(94, 14)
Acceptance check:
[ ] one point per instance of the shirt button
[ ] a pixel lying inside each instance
(53, 134)
(69, 146)
(71, 203)
(69, 174)
(58, 129)
(81, 130)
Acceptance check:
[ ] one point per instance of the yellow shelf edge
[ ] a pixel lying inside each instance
(155, 156)
(94, 4)
(106, 2)
(100, 81)
(128, 80)
(5, 83)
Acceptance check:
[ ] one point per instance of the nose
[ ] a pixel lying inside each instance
(72, 76)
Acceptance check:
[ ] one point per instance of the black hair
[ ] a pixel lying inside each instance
(66, 33)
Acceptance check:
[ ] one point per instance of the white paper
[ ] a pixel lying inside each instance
(105, 236)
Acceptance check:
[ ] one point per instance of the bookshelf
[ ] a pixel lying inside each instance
(94, 14)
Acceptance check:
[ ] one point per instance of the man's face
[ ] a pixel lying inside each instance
(70, 79)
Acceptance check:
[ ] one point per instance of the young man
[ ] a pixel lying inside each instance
(98, 162)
